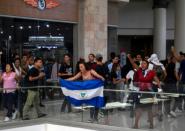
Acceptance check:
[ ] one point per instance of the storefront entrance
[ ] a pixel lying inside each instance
(40, 38)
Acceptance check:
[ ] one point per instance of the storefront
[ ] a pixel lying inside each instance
(80, 26)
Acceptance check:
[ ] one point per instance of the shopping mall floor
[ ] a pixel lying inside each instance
(118, 118)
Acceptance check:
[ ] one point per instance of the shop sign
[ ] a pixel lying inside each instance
(42, 4)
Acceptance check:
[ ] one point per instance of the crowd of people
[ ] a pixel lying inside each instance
(140, 73)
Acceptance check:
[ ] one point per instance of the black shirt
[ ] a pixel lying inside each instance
(65, 68)
(170, 78)
(100, 69)
(92, 65)
(33, 72)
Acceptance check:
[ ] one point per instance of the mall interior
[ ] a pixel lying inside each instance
(52, 28)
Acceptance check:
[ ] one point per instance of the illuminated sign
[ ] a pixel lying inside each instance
(42, 4)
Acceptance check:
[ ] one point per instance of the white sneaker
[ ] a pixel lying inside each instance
(169, 116)
(173, 114)
(6, 119)
(14, 115)
(179, 111)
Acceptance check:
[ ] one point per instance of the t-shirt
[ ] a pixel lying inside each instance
(116, 75)
(92, 65)
(65, 68)
(110, 67)
(171, 78)
(100, 69)
(33, 72)
(182, 70)
(9, 82)
(177, 67)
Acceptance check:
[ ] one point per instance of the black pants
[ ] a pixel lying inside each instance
(94, 113)
(66, 103)
(181, 90)
(171, 88)
(21, 101)
(9, 103)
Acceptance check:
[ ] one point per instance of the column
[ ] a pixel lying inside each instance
(92, 27)
(180, 25)
(159, 32)
(113, 40)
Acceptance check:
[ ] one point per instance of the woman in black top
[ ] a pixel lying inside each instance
(170, 86)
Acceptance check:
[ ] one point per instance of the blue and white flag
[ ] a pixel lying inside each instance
(88, 92)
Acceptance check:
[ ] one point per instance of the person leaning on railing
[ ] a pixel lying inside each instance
(144, 78)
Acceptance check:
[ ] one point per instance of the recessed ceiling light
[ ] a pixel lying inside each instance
(21, 27)
(29, 26)
(12, 26)
(47, 25)
(2, 32)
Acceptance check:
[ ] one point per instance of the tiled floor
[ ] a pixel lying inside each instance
(117, 118)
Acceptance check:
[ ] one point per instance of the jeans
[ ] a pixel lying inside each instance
(94, 113)
(9, 103)
(66, 103)
(172, 104)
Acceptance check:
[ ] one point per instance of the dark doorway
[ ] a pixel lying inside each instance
(142, 45)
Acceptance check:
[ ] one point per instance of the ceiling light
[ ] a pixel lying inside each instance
(21, 27)
(47, 25)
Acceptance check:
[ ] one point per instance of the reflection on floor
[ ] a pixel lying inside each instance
(120, 118)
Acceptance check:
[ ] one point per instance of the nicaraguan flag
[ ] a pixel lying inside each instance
(88, 92)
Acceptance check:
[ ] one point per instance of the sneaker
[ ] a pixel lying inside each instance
(169, 116)
(41, 115)
(173, 114)
(42, 105)
(26, 118)
(101, 114)
(179, 111)
(14, 115)
(90, 121)
(6, 119)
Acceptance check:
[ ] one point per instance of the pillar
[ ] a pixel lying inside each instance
(180, 25)
(159, 32)
(92, 28)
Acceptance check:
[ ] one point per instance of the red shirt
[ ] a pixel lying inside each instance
(144, 82)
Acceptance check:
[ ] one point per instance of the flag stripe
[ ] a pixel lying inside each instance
(96, 101)
(82, 85)
(83, 94)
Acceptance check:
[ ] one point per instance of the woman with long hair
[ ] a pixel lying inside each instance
(88, 74)
(118, 81)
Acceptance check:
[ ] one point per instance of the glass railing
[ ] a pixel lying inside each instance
(128, 108)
